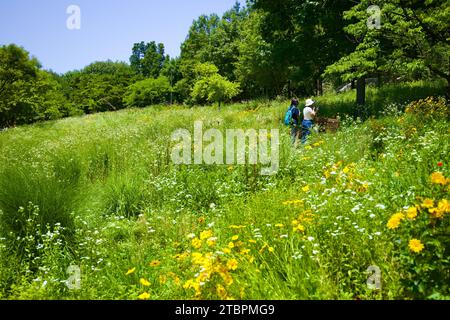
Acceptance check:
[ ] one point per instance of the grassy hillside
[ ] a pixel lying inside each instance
(100, 192)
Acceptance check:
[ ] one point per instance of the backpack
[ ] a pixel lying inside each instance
(288, 116)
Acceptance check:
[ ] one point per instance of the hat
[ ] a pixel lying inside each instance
(309, 102)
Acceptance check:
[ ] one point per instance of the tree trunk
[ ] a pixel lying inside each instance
(289, 88)
(353, 84)
(361, 91)
(319, 87)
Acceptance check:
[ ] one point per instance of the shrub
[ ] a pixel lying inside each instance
(147, 92)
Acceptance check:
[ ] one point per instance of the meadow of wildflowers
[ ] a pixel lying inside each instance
(100, 192)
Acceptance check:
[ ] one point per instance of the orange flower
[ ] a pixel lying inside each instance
(438, 178)
(155, 263)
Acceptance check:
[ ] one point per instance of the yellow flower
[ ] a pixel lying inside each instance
(226, 250)
(436, 212)
(427, 203)
(144, 282)
(295, 222)
(237, 227)
(394, 221)
(196, 243)
(180, 256)
(438, 178)
(206, 234)
(271, 249)
(234, 238)
(230, 168)
(197, 258)
(263, 247)
(130, 271)
(305, 189)
(242, 293)
(279, 225)
(227, 278)
(308, 148)
(252, 241)
(231, 245)
(211, 242)
(444, 206)
(189, 284)
(416, 245)
(162, 279)
(201, 220)
(299, 228)
(221, 292)
(411, 213)
(346, 170)
(232, 264)
(144, 296)
(155, 263)
(245, 251)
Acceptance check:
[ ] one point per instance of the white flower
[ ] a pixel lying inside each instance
(283, 236)
(310, 238)
(191, 236)
(372, 216)
(314, 252)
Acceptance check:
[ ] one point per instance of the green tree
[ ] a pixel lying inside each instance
(147, 59)
(257, 68)
(215, 40)
(16, 68)
(412, 42)
(171, 70)
(27, 93)
(306, 36)
(148, 92)
(99, 87)
(211, 86)
(191, 74)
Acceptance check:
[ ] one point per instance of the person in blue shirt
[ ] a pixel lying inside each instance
(295, 124)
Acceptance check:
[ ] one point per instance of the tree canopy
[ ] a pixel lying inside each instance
(264, 48)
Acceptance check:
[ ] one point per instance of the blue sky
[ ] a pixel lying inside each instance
(108, 27)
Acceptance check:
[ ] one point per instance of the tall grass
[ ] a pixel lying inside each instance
(109, 181)
(378, 99)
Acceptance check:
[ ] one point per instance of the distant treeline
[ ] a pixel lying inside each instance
(265, 49)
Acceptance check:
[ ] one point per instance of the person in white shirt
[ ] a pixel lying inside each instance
(309, 114)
